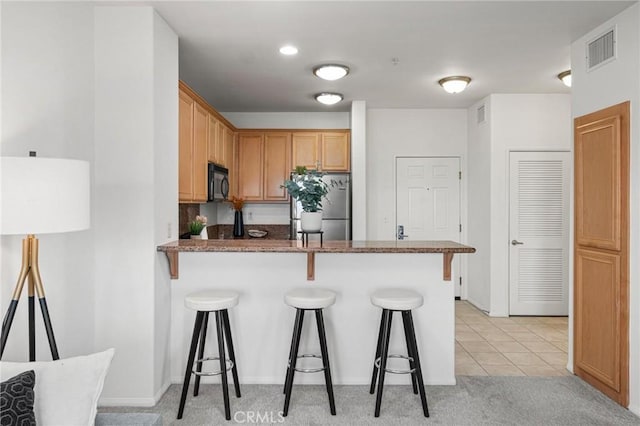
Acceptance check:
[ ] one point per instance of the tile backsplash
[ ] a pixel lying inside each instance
(186, 213)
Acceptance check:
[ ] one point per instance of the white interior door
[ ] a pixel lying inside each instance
(428, 201)
(539, 233)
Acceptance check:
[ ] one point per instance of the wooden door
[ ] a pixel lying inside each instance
(185, 146)
(250, 166)
(335, 152)
(199, 161)
(601, 247)
(305, 150)
(277, 165)
(539, 233)
(428, 201)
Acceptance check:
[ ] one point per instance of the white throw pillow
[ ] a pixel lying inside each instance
(66, 390)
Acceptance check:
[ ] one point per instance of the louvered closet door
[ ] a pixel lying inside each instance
(539, 233)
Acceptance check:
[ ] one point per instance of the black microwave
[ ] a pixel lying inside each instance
(218, 183)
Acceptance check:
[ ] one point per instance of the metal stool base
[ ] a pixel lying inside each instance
(228, 363)
(391, 370)
(307, 370)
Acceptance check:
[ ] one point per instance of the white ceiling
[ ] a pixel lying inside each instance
(229, 50)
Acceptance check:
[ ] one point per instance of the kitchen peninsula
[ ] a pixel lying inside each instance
(263, 270)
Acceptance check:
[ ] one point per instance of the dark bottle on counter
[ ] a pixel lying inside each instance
(238, 225)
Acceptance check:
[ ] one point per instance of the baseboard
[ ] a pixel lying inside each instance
(127, 402)
(476, 304)
(635, 409)
(134, 402)
(161, 392)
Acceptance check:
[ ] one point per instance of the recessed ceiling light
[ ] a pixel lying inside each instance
(288, 50)
(565, 76)
(331, 71)
(329, 98)
(455, 84)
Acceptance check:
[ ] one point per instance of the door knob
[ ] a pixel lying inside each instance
(400, 234)
(516, 243)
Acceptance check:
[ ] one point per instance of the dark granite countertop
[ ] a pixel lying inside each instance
(296, 246)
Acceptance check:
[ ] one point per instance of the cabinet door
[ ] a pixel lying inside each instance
(222, 159)
(185, 146)
(229, 154)
(277, 165)
(305, 150)
(335, 151)
(250, 166)
(213, 145)
(199, 161)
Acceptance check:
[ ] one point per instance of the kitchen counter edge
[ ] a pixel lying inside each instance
(296, 246)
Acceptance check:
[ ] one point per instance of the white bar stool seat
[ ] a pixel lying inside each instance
(310, 298)
(211, 300)
(397, 299)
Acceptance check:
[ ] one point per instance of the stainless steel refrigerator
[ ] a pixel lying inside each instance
(336, 210)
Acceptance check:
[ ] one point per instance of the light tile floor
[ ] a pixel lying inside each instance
(514, 346)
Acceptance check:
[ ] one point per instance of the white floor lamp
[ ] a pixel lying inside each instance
(39, 196)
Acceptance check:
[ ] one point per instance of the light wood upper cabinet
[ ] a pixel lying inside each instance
(229, 154)
(250, 166)
(199, 161)
(306, 149)
(185, 146)
(325, 151)
(277, 165)
(264, 162)
(192, 151)
(335, 152)
(203, 136)
(214, 145)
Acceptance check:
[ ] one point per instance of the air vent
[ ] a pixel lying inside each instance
(481, 114)
(601, 50)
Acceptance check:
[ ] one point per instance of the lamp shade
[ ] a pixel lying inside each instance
(43, 195)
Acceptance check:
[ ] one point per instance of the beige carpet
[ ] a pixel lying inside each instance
(473, 401)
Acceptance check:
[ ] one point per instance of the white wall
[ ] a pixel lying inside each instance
(478, 282)
(518, 123)
(165, 151)
(288, 120)
(359, 183)
(407, 132)
(47, 106)
(135, 129)
(613, 83)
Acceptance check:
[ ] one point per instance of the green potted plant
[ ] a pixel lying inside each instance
(307, 187)
(197, 228)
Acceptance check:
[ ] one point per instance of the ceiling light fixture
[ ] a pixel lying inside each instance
(328, 98)
(565, 76)
(288, 50)
(331, 71)
(455, 84)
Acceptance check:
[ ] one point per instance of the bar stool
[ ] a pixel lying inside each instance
(203, 302)
(307, 299)
(392, 300)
